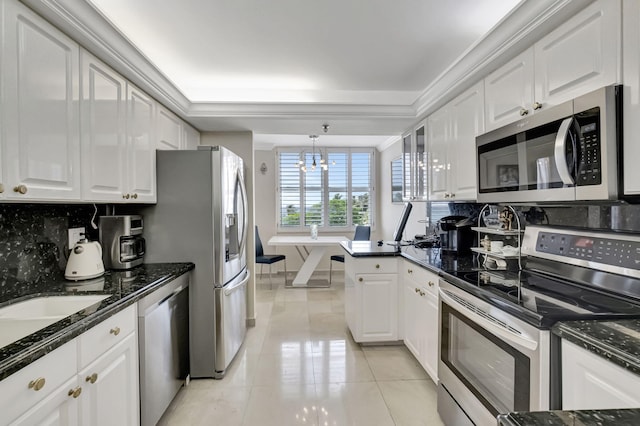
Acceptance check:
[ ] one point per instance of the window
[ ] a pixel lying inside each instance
(337, 198)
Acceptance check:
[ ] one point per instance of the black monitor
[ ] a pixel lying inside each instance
(397, 234)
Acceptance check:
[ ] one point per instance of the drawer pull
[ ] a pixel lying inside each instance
(377, 266)
(537, 106)
(37, 384)
(92, 378)
(75, 392)
(20, 189)
(431, 284)
(115, 331)
(134, 196)
(1, 188)
(410, 271)
(417, 290)
(360, 279)
(422, 293)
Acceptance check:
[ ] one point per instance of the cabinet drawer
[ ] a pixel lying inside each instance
(103, 336)
(55, 368)
(375, 265)
(421, 276)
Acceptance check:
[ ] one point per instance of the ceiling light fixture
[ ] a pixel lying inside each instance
(323, 165)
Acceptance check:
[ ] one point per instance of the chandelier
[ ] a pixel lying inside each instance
(322, 164)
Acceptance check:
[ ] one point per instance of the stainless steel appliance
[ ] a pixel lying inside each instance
(455, 234)
(163, 345)
(201, 217)
(497, 353)
(122, 241)
(568, 152)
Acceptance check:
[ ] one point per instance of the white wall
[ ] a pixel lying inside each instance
(389, 213)
(242, 144)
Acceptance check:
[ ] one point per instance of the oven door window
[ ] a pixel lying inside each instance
(496, 373)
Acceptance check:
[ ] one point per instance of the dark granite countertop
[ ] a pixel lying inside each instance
(124, 288)
(629, 417)
(369, 249)
(617, 341)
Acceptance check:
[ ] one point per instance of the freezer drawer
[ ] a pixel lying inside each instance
(163, 340)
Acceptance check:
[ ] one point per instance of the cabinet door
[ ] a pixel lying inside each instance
(590, 382)
(40, 80)
(439, 130)
(631, 98)
(407, 167)
(579, 56)
(467, 122)
(411, 317)
(141, 153)
(509, 91)
(169, 130)
(421, 164)
(110, 386)
(191, 137)
(429, 329)
(58, 408)
(103, 131)
(378, 299)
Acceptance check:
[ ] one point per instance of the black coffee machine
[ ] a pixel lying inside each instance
(456, 236)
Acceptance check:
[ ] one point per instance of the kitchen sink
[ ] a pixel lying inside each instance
(21, 319)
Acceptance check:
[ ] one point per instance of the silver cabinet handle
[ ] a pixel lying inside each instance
(21, 189)
(559, 152)
(537, 106)
(37, 384)
(523, 112)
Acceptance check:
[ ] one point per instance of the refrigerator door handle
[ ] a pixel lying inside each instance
(245, 223)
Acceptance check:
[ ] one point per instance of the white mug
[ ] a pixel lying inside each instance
(497, 246)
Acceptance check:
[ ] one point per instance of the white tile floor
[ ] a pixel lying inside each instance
(299, 365)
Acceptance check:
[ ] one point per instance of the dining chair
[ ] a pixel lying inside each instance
(268, 259)
(363, 233)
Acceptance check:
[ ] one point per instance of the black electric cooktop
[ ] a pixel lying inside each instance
(542, 300)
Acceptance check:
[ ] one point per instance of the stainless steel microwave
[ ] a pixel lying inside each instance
(566, 153)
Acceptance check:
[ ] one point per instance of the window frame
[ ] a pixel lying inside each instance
(325, 151)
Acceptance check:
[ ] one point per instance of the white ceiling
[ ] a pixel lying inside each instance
(331, 52)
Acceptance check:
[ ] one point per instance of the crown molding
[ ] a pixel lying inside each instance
(516, 32)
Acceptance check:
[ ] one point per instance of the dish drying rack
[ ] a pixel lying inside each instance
(512, 262)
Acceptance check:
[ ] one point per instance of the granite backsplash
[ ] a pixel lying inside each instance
(33, 240)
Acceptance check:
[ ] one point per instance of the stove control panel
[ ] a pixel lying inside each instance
(605, 250)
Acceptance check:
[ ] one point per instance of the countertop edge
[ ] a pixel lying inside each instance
(37, 350)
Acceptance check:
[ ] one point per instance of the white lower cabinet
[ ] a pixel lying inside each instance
(590, 382)
(91, 380)
(421, 316)
(371, 298)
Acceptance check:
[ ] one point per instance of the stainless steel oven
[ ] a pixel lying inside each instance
(568, 152)
(497, 352)
(490, 362)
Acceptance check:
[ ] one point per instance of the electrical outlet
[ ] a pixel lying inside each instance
(75, 235)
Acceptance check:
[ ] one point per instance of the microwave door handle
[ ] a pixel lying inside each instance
(560, 150)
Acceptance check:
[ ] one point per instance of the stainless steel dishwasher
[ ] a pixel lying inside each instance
(163, 343)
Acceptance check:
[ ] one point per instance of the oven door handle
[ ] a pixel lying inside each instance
(508, 336)
(559, 152)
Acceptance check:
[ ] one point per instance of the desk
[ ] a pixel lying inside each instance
(311, 258)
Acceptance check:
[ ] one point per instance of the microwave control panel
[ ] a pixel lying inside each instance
(589, 152)
(608, 251)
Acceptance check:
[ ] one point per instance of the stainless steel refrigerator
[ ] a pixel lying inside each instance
(201, 217)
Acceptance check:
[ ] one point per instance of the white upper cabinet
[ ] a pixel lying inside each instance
(169, 128)
(580, 55)
(631, 98)
(452, 141)
(467, 122)
(509, 91)
(118, 150)
(414, 163)
(191, 137)
(141, 146)
(104, 150)
(40, 109)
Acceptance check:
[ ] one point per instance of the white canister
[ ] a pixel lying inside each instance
(314, 232)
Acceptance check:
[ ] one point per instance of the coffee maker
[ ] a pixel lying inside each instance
(456, 235)
(123, 246)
